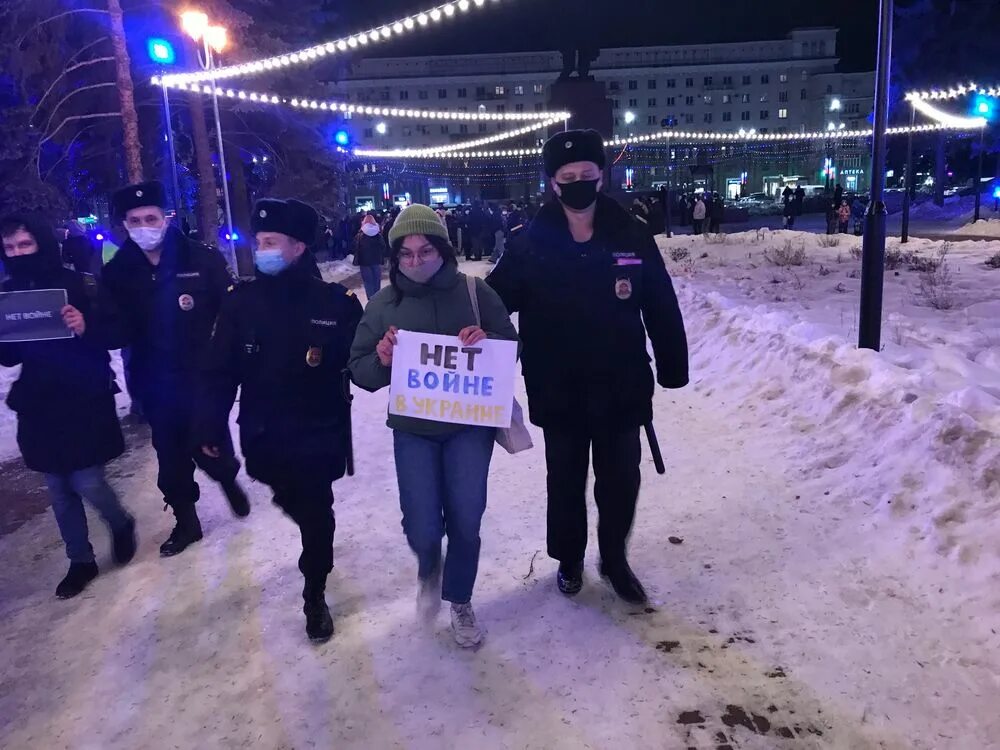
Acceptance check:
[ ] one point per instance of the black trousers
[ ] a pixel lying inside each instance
(170, 420)
(307, 498)
(616, 488)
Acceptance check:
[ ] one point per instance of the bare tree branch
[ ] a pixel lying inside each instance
(74, 118)
(70, 95)
(41, 23)
(60, 77)
(62, 158)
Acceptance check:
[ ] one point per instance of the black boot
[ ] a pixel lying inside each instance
(624, 582)
(76, 580)
(185, 533)
(570, 577)
(237, 499)
(124, 543)
(319, 623)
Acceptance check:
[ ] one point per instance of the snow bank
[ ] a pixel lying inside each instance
(983, 228)
(911, 434)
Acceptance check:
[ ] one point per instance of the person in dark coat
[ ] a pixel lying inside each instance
(285, 339)
(169, 289)
(64, 398)
(78, 252)
(370, 250)
(716, 213)
(799, 200)
(788, 206)
(590, 284)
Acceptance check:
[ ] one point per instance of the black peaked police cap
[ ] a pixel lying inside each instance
(135, 196)
(296, 219)
(570, 146)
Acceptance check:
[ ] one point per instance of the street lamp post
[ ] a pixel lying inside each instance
(213, 40)
(873, 245)
(979, 172)
(908, 184)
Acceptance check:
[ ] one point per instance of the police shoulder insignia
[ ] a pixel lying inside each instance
(314, 357)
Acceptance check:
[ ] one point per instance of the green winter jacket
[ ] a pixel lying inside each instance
(442, 306)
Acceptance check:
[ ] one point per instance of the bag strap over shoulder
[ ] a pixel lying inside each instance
(474, 298)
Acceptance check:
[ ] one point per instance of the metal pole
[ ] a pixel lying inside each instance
(873, 245)
(222, 161)
(908, 185)
(979, 173)
(173, 153)
(668, 209)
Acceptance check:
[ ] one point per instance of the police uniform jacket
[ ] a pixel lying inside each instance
(585, 312)
(168, 309)
(285, 340)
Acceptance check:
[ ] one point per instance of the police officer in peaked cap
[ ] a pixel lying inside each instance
(590, 286)
(284, 338)
(169, 289)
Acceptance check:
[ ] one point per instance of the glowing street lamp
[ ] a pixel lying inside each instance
(629, 118)
(213, 40)
(381, 128)
(835, 105)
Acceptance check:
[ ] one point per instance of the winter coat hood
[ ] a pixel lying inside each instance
(46, 261)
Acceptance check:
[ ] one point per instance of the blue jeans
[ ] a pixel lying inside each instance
(65, 491)
(442, 490)
(371, 276)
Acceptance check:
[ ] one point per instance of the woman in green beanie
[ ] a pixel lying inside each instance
(442, 469)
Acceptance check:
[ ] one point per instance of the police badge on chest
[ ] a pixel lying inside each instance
(623, 288)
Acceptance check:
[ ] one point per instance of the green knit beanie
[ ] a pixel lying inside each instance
(417, 219)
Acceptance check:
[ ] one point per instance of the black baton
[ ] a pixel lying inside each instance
(349, 398)
(654, 448)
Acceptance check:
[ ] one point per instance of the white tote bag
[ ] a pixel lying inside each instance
(515, 438)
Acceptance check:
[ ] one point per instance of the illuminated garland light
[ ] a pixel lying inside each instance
(946, 118)
(751, 136)
(678, 138)
(954, 92)
(359, 109)
(429, 153)
(311, 54)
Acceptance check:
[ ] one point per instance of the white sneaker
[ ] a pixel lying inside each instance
(464, 626)
(429, 597)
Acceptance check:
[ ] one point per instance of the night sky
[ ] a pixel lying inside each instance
(516, 25)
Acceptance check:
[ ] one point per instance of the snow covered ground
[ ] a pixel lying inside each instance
(984, 228)
(822, 557)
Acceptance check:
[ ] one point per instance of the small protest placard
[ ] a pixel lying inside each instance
(33, 315)
(438, 379)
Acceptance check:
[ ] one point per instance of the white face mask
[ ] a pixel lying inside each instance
(370, 229)
(423, 272)
(147, 238)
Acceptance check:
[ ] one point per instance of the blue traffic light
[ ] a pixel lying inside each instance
(161, 51)
(342, 137)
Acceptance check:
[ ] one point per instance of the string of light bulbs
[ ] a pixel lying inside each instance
(431, 152)
(359, 109)
(677, 137)
(954, 92)
(399, 27)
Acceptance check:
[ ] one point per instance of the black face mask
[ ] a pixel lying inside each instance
(580, 194)
(26, 266)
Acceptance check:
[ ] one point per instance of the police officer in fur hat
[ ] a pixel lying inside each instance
(285, 338)
(169, 289)
(590, 285)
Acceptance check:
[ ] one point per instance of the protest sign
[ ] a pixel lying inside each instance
(438, 379)
(33, 315)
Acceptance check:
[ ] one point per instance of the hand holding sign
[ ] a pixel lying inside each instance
(73, 319)
(466, 379)
(471, 336)
(386, 346)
